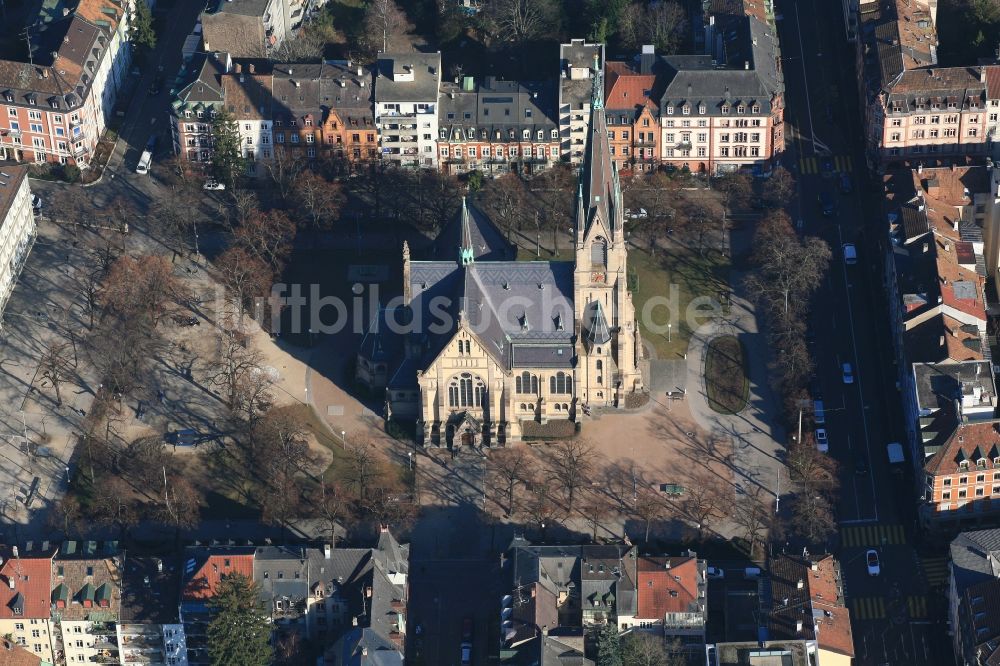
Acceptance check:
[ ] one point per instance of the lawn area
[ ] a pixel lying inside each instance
(725, 375)
(693, 275)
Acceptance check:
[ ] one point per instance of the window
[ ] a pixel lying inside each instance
(963, 493)
(295, 138)
(310, 138)
(895, 136)
(281, 137)
(599, 252)
(35, 633)
(18, 626)
(702, 151)
(980, 478)
(946, 495)
(947, 482)
(37, 647)
(973, 131)
(702, 137)
(920, 120)
(611, 135)
(741, 109)
(951, 132)
(35, 127)
(560, 383)
(963, 480)
(979, 492)
(996, 490)
(527, 383)
(249, 140)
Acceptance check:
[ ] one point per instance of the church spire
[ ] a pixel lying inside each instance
(602, 197)
(467, 253)
(597, 90)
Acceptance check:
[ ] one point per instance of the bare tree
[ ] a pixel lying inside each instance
(520, 21)
(67, 516)
(55, 367)
(504, 201)
(181, 507)
(333, 504)
(234, 368)
(779, 188)
(640, 648)
(362, 467)
(661, 24)
(387, 503)
(649, 506)
(752, 513)
(113, 505)
(595, 509)
(245, 202)
(702, 502)
(737, 189)
(246, 276)
(383, 24)
(572, 466)
(267, 236)
(812, 517)
(319, 199)
(507, 469)
(540, 507)
(140, 286)
(285, 168)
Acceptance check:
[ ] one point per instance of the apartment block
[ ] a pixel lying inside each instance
(671, 599)
(497, 126)
(55, 108)
(195, 106)
(579, 63)
(297, 112)
(914, 111)
(349, 132)
(974, 596)
(248, 100)
(406, 105)
(17, 227)
(633, 118)
(86, 601)
(149, 629)
(24, 602)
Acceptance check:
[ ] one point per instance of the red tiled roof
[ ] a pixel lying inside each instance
(12, 654)
(661, 590)
(31, 576)
(962, 445)
(993, 81)
(205, 579)
(625, 90)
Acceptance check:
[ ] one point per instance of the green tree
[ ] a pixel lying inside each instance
(143, 33)
(240, 632)
(228, 163)
(609, 647)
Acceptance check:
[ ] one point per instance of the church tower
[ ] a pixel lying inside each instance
(608, 338)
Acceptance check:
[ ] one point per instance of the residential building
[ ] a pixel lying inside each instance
(406, 100)
(915, 111)
(633, 118)
(936, 281)
(497, 126)
(204, 569)
(492, 370)
(246, 28)
(24, 603)
(195, 106)
(17, 228)
(86, 601)
(248, 99)
(974, 596)
(55, 108)
(297, 111)
(149, 629)
(348, 128)
(808, 605)
(578, 63)
(560, 592)
(282, 576)
(671, 595)
(786, 653)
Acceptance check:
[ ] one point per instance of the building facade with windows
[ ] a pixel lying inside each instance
(578, 62)
(24, 602)
(17, 227)
(248, 100)
(195, 106)
(497, 126)
(55, 108)
(489, 347)
(633, 118)
(297, 112)
(406, 107)
(349, 132)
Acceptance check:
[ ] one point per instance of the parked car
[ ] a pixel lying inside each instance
(848, 373)
(822, 443)
(714, 572)
(871, 559)
(850, 254)
(826, 167)
(635, 214)
(827, 204)
(861, 464)
(819, 416)
(156, 85)
(36, 204)
(213, 185)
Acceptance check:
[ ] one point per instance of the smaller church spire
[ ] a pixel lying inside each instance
(467, 253)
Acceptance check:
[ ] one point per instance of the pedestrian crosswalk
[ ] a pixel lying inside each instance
(868, 608)
(935, 570)
(872, 535)
(842, 163)
(917, 607)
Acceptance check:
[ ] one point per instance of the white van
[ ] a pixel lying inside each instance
(144, 160)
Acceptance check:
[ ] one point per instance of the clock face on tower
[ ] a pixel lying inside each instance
(597, 277)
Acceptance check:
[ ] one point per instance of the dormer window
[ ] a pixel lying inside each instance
(526, 134)
(554, 134)
(443, 133)
(510, 134)
(964, 465)
(670, 110)
(539, 135)
(981, 463)
(755, 109)
(725, 109)
(472, 133)
(686, 110)
(740, 110)
(701, 109)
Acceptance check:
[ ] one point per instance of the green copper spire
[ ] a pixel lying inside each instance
(597, 95)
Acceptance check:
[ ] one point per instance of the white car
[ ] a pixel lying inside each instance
(636, 213)
(822, 443)
(213, 185)
(871, 559)
(848, 374)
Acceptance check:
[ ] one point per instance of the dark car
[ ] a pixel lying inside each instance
(151, 143)
(846, 186)
(826, 167)
(156, 85)
(827, 204)
(860, 464)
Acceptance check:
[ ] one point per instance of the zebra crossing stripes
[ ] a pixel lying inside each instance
(917, 605)
(868, 608)
(935, 570)
(811, 165)
(872, 535)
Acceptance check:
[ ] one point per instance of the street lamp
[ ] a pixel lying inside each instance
(343, 438)
(410, 456)
(669, 327)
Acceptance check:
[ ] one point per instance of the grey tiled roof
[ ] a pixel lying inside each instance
(496, 108)
(975, 557)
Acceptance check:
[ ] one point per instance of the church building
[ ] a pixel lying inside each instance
(480, 344)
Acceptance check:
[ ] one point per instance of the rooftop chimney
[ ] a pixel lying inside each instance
(798, 626)
(799, 585)
(327, 551)
(252, 68)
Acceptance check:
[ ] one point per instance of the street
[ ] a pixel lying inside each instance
(850, 325)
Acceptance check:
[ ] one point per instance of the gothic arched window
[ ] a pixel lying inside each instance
(599, 252)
